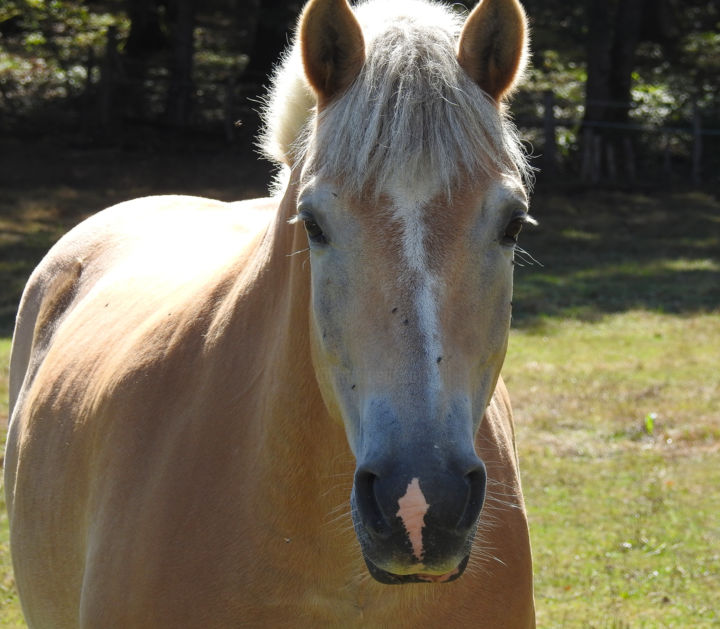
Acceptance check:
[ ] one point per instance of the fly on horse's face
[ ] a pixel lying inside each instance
(411, 310)
(411, 294)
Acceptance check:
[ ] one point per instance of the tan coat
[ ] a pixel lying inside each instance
(190, 384)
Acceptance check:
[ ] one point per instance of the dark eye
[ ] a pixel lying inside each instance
(314, 231)
(512, 231)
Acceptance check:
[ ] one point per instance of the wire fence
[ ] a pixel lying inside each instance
(628, 151)
(111, 102)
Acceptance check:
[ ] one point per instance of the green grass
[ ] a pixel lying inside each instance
(608, 252)
(10, 614)
(612, 369)
(624, 512)
(4, 366)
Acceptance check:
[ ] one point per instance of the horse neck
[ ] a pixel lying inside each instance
(301, 451)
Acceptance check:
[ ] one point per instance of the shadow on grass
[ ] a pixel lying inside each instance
(18, 257)
(46, 190)
(611, 252)
(602, 252)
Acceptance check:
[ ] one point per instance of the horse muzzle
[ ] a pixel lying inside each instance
(416, 524)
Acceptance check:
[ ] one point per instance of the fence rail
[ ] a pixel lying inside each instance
(111, 99)
(599, 149)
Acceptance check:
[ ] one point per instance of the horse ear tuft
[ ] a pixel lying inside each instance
(333, 48)
(493, 46)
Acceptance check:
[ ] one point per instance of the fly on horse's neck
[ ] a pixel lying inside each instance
(288, 412)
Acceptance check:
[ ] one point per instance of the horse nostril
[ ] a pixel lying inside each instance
(367, 503)
(476, 481)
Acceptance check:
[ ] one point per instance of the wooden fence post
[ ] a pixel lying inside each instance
(229, 107)
(629, 159)
(611, 162)
(87, 97)
(667, 157)
(597, 144)
(697, 144)
(108, 77)
(180, 90)
(586, 172)
(550, 150)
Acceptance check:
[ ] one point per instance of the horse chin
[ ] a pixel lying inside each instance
(388, 578)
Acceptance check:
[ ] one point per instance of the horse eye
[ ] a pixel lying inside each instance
(314, 231)
(512, 231)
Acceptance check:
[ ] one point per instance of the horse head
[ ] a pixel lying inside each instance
(411, 193)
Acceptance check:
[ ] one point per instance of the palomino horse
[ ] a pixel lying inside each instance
(198, 388)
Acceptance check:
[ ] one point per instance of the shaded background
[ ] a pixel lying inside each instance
(106, 100)
(620, 91)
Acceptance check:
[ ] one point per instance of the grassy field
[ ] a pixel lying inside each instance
(620, 442)
(612, 368)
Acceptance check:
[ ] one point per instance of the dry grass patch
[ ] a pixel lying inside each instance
(619, 436)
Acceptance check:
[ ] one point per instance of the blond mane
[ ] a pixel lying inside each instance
(412, 115)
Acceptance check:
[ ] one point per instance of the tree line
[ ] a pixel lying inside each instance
(115, 69)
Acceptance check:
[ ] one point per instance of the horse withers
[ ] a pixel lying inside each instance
(287, 412)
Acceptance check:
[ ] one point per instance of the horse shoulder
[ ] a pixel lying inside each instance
(105, 358)
(145, 236)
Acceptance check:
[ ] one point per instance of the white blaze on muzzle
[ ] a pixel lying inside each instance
(413, 508)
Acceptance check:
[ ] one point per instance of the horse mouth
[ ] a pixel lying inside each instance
(388, 578)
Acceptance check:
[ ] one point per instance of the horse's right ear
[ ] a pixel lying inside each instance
(333, 48)
(493, 46)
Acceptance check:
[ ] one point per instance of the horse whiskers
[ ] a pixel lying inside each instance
(343, 516)
(506, 489)
(526, 257)
(340, 481)
(338, 529)
(347, 476)
(501, 490)
(338, 516)
(498, 504)
(337, 487)
(492, 492)
(480, 560)
(496, 485)
(344, 532)
(483, 551)
(343, 506)
(502, 493)
(294, 253)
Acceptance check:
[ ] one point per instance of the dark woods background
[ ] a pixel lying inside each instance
(620, 92)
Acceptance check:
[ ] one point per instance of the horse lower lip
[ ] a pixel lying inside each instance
(388, 578)
(439, 578)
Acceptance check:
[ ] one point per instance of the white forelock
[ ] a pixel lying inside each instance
(411, 117)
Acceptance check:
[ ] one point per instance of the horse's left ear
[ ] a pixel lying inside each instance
(493, 46)
(333, 48)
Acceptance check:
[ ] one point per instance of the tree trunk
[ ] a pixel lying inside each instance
(599, 47)
(597, 86)
(146, 38)
(180, 91)
(275, 22)
(107, 111)
(550, 145)
(613, 34)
